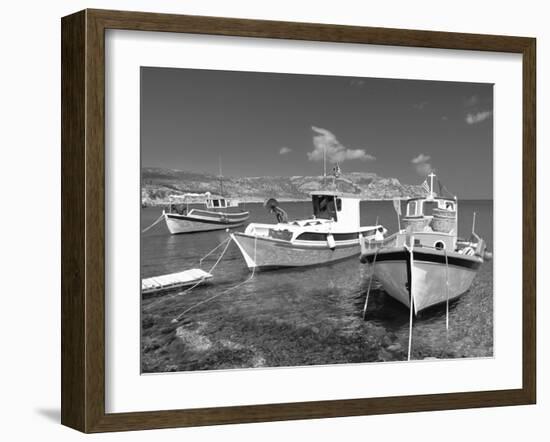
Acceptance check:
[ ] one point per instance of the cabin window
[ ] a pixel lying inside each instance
(411, 208)
(312, 236)
(339, 204)
(215, 203)
(439, 245)
(428, 207)
(324, 207)
(222, 203)
(448, 205)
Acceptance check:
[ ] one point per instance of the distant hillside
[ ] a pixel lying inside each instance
(158, 184)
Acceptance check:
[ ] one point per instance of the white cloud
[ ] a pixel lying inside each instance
(325, 141)
(478, 117)
(421, 164)
(421, 158)
(284, 150)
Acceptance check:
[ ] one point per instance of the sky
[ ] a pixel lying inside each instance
(271, 124)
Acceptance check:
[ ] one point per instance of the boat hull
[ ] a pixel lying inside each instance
(427, 275)
(262, 253)
(189, 223)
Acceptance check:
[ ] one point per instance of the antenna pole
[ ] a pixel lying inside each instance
(324, 164)
(431, 175)
(221, 176)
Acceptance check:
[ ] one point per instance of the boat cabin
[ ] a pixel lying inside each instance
(429, 206)
(338, 207)
(220, 203)
(182, 204)
(432, 221)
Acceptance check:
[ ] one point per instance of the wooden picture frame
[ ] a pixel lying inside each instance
(83, 220)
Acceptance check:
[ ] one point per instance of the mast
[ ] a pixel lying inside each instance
(431, 175)
(221, 175)
(324, 164)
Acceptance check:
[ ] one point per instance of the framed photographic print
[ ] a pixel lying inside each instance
(269, 220)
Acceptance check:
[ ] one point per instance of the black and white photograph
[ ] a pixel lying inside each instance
(292, 220)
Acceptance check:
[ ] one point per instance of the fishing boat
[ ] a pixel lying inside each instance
(331, 234)
(192, 212)
(425, 263)
(189, 213)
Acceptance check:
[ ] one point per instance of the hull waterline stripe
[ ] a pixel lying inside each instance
(426, 258)
(203, 220)
(284, 243)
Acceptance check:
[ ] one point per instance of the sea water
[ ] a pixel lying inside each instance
(301, 316)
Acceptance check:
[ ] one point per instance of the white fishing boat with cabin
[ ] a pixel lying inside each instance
(192, 212)
(331, 234)
(425, 263)
(189, 213)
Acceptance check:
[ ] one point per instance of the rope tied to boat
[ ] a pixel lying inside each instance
(212, 251)
(447, 292)
(161, 217)
(200, 281)
(411, 303)
(370, 284)
(226, 241)
(182, 314)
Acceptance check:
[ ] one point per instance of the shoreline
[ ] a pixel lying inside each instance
(145, 205)
(259, 201)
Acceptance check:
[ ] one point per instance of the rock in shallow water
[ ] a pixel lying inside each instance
(194, 340)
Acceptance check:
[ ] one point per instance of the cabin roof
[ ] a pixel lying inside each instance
(426, 198)
(335, 193)
(206, 195)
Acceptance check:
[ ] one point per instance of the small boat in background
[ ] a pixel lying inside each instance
(190, 213)
(331, 234)
(425, 263)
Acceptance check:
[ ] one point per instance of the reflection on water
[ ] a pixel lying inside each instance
(299, 316)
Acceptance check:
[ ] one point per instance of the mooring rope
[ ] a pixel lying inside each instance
(370, 284)
(182, 314)
(154, 224)
(410, 327)
(447, 292)
(212, 251)
(411, 303)
(201, 280)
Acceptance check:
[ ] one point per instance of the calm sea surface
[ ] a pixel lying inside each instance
(300, 316)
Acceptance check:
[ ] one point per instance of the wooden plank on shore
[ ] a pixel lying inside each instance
(173, 281)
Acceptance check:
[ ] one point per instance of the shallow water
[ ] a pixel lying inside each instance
(300, 316)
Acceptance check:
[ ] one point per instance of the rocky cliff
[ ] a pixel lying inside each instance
(158, 184)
